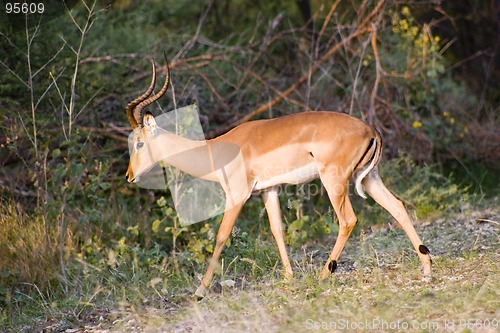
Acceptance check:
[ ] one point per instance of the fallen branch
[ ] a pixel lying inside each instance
(107, 132)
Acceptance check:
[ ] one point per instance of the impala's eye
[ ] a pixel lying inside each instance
(139, 145)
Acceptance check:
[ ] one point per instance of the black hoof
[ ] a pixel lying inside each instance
(423, 249)
(332, 266)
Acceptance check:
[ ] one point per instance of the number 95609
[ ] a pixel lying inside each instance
(24, 8)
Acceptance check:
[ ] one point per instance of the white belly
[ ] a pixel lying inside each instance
(300, 175)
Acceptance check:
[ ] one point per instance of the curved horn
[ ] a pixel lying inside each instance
(144, 103)
(131, 106)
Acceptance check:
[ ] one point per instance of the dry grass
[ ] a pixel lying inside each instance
(378, 285)
(30, 245)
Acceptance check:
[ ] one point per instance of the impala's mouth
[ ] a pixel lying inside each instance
(137, 177)
(135, 180)
(131, 180)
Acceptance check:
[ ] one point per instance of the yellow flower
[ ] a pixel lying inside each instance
(404, 24)
(417, 124)
(405, 11)
(437, 39)
(414, 31)
(446, 114)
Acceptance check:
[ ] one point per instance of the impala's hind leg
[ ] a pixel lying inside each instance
(337, 192)
(377, 190)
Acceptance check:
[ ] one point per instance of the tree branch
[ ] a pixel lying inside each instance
(314, 68)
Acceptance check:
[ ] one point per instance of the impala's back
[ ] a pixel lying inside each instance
(294, 149)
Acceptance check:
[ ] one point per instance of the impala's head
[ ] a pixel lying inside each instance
(144, 128)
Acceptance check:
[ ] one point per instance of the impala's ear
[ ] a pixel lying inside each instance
(149, 124)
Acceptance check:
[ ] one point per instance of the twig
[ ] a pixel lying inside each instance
(488, 221)
(259, 78)
(105, 132)
(378, 70)
(112, 58)
(16, 191)
(323, 28)
(212, 89)
(14, 73)
(374, 12)
(83, 31)
(189, 45)
(354, 96)
(266, 41)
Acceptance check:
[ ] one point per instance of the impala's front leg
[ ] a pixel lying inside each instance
(225, 228)
(271, 201)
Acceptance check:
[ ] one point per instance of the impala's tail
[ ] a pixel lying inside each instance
(374, 151)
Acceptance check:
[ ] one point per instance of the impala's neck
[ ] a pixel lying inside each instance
(190, 156)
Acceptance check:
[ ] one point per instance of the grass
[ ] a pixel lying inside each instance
(378, 284)
(368, 295)
(82, 262)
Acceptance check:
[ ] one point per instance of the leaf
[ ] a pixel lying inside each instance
(297, 224)
(161, 202)
(155, 226)
(228, 283)
(56, 153)
(155, 281)
(111, 258)
(134, 230)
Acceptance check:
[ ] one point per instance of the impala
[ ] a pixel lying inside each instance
(293, 149)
